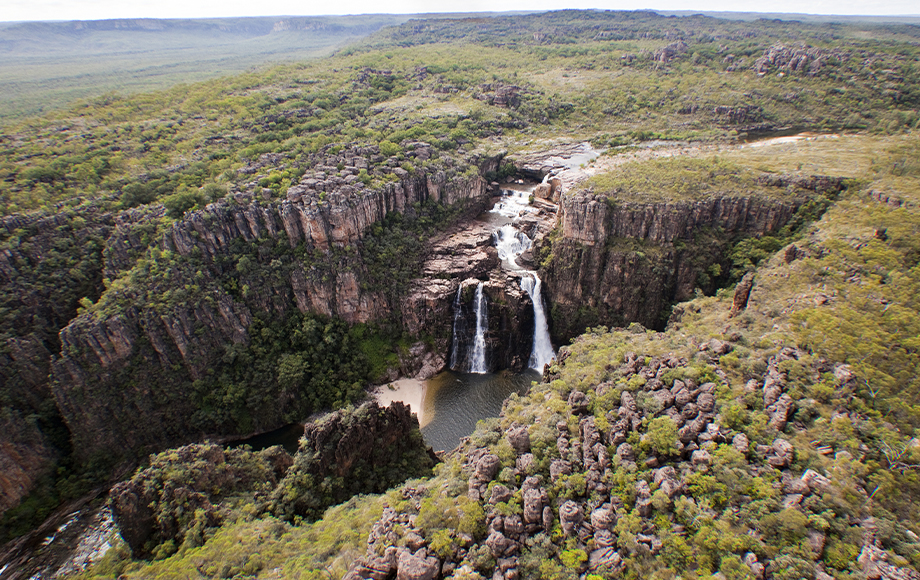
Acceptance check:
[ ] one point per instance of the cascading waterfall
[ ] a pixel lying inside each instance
(478, 353)
(510, 243)
(542, 352)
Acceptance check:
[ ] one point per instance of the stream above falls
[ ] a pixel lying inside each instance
(451, 403)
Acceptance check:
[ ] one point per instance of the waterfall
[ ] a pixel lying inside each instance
(478, 353)
(542, 352)
(459, 329)
(511, 242)
(470, 357)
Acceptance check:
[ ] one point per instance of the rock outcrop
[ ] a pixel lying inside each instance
(571, 478)
(199, 292)
(25, 455)
(182, 488)
(181, 493)
(622, 262)
(48, 263)
(365, 450)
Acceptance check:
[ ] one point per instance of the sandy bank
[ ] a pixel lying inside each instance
(408, 391)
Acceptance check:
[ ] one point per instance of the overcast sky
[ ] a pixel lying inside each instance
(11, 10)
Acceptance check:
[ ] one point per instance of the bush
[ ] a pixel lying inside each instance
(661, 437)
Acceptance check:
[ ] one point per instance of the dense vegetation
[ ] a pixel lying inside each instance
(615, 77)
(91, 194)
(854, 420)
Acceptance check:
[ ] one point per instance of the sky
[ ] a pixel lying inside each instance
(16, 10)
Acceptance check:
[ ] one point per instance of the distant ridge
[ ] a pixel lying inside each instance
(800, 17)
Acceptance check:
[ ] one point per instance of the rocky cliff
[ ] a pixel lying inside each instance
(48, 263)
(25, 455)
(365, 450)
(614, 262)
(173, 317)
(459, 260)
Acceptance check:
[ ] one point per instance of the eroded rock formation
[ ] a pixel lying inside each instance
(621, 262)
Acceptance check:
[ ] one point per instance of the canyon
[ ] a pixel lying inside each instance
(122, 358)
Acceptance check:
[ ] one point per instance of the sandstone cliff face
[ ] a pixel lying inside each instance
(617, 263)
(509, 335)
(48, 262)
(156, 331)
(461, 259)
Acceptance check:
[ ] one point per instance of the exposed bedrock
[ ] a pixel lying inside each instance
(459, 260)
(115, 377)
(621, 262)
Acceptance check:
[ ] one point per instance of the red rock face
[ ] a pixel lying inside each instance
(101, 380)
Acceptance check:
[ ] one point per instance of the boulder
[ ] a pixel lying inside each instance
(558, 468)
(533, 506)
(625, 452)
(519, 438)
(742, 294)
(706, 402)
(525, 464)
(499, 544)
(602, 519)
(741, 443)
(500, 493)
(604, 558)
(815, 481)
(570, 517)
(487, 467)
(418, 566)
(514, 525)
(604, 538)
(578, 402)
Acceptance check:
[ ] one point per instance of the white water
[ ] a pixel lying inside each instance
(472, 358)
(478, 355)
(542, 352)
(511, 243)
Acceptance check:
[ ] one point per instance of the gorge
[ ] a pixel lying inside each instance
(642, 346)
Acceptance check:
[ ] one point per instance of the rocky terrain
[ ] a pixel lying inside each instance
(671, 452)
(735, 389)
(323, 220)
(616, 262)
(187, 491)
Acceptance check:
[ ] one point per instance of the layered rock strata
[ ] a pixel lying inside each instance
(621, 262)
(148, 331)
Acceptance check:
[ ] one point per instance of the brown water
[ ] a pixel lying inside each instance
(455, 402)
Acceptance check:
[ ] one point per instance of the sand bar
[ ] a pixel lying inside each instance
(408, 391)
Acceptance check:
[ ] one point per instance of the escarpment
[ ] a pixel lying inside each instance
(187, 306)
(49, 262)
(616, 262)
